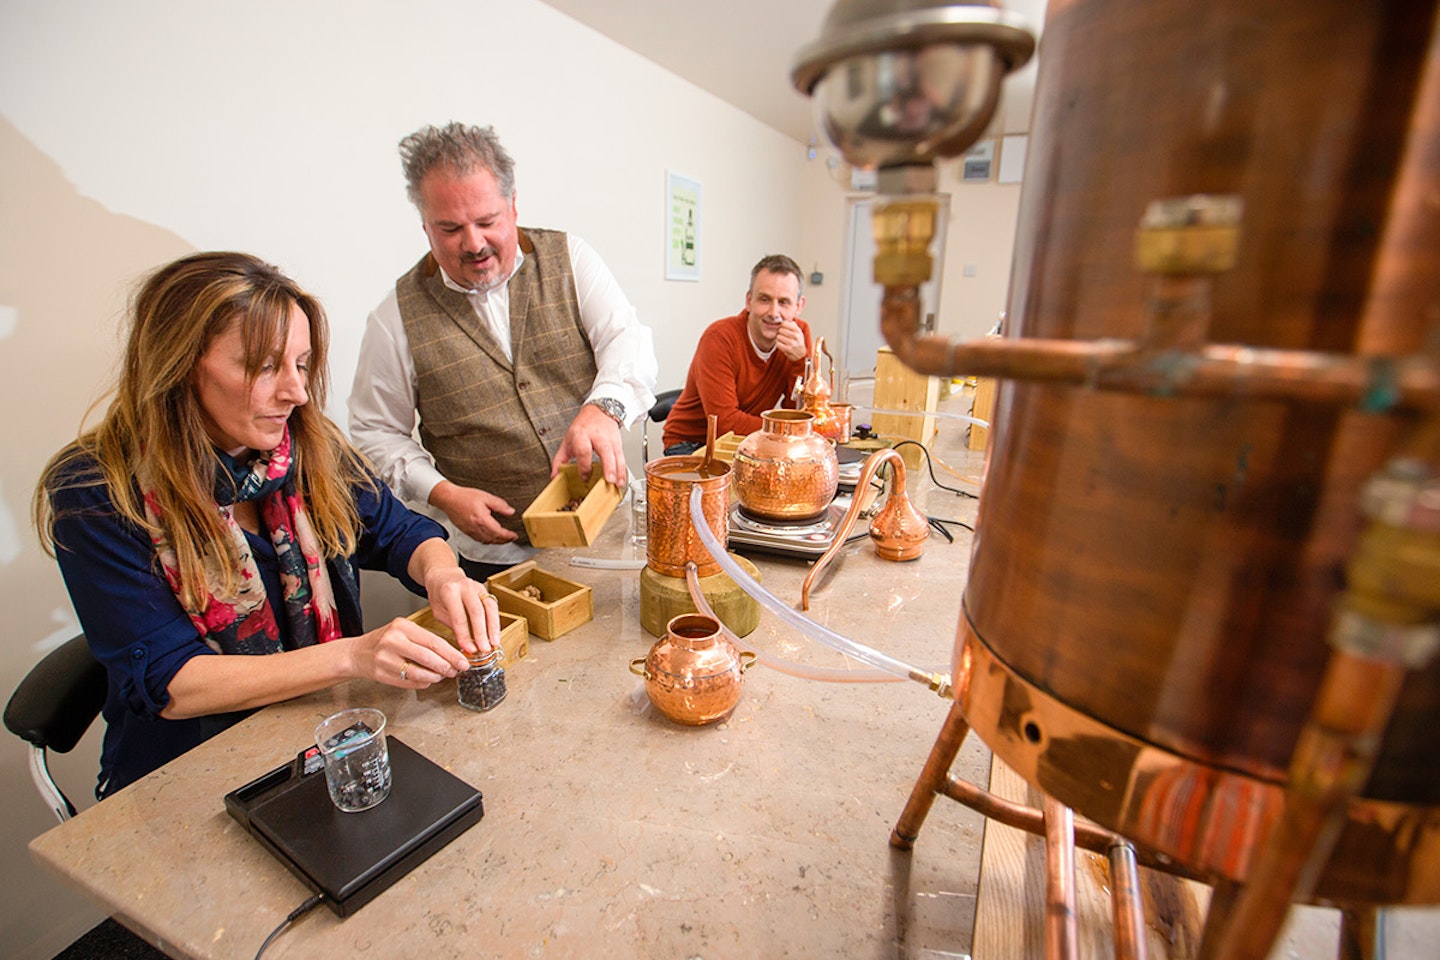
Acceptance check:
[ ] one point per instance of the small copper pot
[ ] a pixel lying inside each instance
(785, 471)
(693, 673)
(670, 538)
(840, 416)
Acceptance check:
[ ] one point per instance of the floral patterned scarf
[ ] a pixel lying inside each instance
(245, 622)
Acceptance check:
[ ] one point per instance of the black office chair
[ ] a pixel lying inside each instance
(52, 708)
(658, 412)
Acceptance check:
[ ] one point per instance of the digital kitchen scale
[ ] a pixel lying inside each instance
(350, 858)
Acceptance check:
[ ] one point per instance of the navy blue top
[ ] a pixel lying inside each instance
(137, 629)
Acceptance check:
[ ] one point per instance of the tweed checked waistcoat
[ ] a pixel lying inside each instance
(492, 422)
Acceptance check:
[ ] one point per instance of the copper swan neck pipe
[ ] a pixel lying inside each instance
(897, 496)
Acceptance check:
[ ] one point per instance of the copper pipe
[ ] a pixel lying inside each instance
(1062, 931)
(1333, 759)
(1360, 934)
(1087, 835)
(1384, 626)
(897, 490)
(1127, 907)
(1375, 383)
(1223, 895)
(932, 778)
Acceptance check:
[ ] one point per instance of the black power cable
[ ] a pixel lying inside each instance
(295, 914)
(930, 467)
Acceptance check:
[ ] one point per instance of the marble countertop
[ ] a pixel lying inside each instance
(608, 830)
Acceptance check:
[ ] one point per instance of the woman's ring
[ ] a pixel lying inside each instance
(404, 667)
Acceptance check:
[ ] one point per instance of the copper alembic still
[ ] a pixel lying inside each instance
(1204, 594)
(898, 531)
(785, 471)
(815, 394)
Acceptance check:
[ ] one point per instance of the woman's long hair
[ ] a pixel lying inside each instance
(155, 418)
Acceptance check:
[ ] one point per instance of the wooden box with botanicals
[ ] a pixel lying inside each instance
(570, 511)
(514, 632)
(551, 605)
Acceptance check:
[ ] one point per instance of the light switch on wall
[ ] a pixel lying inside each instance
(969, 269)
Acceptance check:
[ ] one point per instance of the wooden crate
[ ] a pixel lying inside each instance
(897, 387)
(514, 632)
(725, 447)
(982, 409)
(547, 525)
(563, 604)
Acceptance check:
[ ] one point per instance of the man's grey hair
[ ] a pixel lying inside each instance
(781, 264)
(458, 149)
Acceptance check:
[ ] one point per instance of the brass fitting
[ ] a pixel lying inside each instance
(903, 230)
(1391, 607)
(1189, 235)
(938, 682)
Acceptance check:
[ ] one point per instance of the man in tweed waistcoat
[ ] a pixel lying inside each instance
(514, 349)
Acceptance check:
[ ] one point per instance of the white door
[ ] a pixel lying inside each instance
(860, 312)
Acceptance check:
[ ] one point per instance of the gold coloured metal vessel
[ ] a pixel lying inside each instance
(693, 673)
(785, 471)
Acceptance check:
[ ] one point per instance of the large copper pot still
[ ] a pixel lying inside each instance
(1202, 605)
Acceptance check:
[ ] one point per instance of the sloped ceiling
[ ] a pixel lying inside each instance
(742, 50)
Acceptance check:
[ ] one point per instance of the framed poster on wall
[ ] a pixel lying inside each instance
(682, 227)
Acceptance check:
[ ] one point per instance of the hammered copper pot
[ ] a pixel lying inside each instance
(785, 471)
(693, 673)
(670, 538)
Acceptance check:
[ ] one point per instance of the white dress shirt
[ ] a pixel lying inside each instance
(383, 412)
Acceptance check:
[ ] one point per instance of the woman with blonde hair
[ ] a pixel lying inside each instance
(210, 527)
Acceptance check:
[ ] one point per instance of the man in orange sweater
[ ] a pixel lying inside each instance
(745, 364)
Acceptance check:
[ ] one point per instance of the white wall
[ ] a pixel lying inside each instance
(132, 133)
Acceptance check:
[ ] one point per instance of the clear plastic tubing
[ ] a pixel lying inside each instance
(778, 607)
(941, 414)
(606, 563)
(805, 671)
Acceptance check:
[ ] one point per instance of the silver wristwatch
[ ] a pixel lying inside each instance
(612, 408)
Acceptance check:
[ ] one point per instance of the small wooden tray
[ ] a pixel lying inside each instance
(564, 604)
(514, 632)
(725, 447)
(547, 525)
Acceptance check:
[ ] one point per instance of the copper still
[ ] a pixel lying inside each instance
(1201, 607)
(693, 673)
(784, 470)
(898, 531)
(813, 393)
(1200, 541)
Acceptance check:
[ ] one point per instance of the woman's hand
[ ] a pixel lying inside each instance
(404, 654)
(467, 608)
(460, 603)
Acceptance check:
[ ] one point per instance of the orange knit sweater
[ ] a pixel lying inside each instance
(728, 379)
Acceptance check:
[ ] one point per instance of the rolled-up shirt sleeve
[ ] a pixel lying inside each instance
(624, 347)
